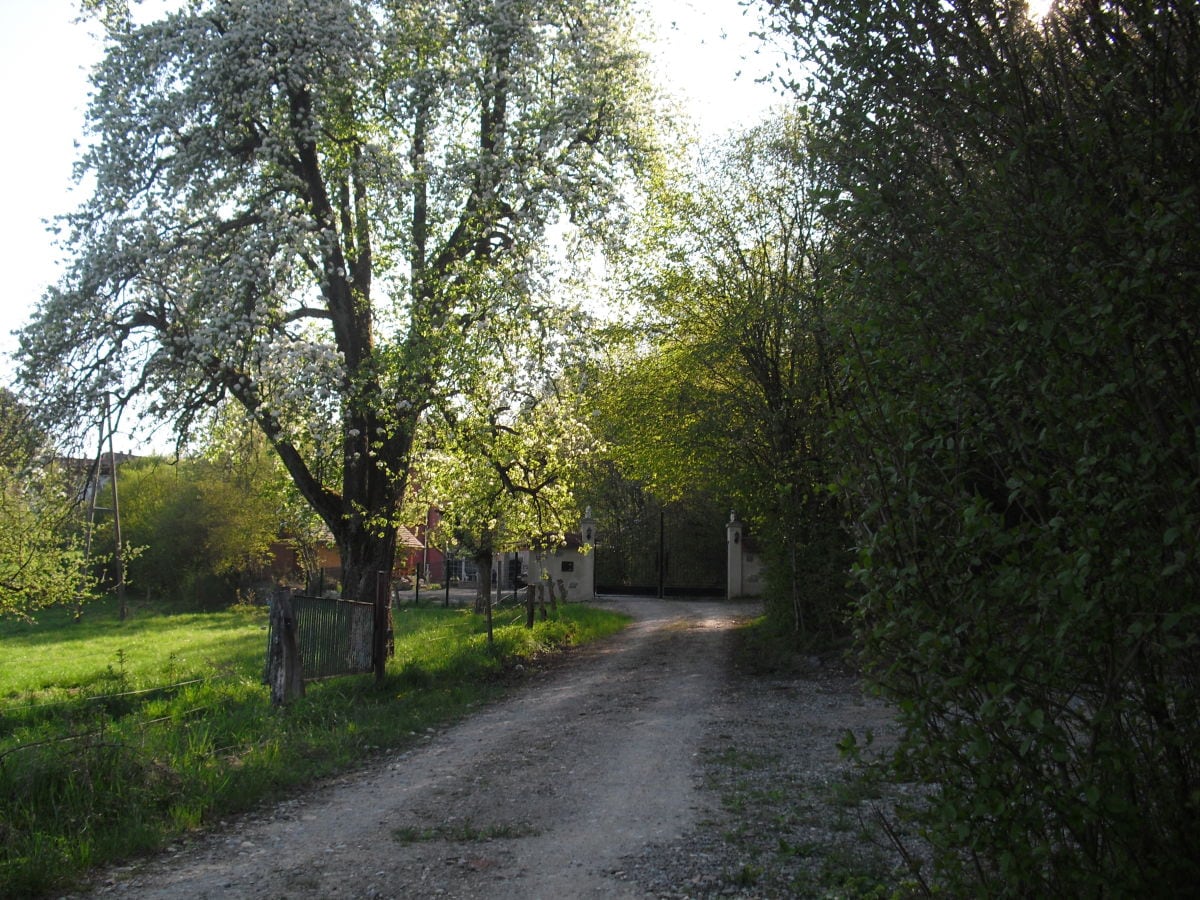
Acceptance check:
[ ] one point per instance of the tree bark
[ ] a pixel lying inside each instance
(483, 600)
(483, 564)
(367, 560)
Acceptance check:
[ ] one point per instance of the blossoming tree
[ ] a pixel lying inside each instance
(313, 206)
(502, 463)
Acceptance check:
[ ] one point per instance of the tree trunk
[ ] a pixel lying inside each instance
(483, 563)
(367, 560)
(483, 600)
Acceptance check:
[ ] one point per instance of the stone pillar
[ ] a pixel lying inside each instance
(587, 560)
(734, 566)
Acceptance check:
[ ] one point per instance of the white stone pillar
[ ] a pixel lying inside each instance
(734, 566)
(587, 559)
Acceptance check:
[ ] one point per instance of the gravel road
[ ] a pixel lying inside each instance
(610, 775)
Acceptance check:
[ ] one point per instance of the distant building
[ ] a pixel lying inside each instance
(569, 567)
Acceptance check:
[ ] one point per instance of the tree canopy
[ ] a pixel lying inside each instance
(732, 384)
(309, 206)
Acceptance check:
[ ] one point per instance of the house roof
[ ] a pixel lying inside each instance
(405, 538)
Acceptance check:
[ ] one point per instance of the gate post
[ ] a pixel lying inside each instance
(587, 561)
(734, 557)
(379, 633)
(284, 671)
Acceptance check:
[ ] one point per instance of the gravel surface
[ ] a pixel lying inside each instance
(645, 765)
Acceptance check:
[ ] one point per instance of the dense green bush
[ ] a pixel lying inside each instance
(42, 559)
(199, 530)
(1021, 275)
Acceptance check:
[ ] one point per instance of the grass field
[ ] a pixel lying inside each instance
(116, 737)
(58, 656)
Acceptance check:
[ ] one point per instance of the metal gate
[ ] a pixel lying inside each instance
(661, 550)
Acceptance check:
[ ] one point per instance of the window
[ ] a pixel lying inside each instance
(568, 565)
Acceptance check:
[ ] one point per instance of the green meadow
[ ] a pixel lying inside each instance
(117, 738)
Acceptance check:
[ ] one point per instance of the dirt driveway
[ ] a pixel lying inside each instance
(548, 794)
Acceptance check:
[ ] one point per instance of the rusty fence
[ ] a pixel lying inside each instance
(317, 637)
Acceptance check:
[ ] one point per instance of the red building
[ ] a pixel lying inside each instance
(413, 556)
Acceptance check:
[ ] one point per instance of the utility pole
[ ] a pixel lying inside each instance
(92, 488)
(118, 557)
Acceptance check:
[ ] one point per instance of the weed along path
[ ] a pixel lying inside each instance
(540, 796)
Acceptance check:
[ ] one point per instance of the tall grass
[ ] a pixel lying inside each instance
(116, 738)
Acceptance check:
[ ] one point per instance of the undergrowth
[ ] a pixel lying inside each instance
(765, 647)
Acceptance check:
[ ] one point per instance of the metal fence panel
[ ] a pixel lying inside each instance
(334, 636)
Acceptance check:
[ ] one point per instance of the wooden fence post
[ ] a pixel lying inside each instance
(379, 634)
(284, 670)
(529, 607)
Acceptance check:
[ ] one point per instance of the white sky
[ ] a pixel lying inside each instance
(45, 56)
